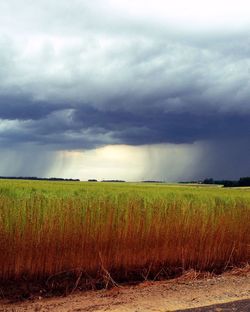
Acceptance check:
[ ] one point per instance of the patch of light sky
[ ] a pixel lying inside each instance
(168, 162)
(190, 14)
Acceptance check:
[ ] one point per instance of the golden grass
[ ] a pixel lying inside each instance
(52, 227)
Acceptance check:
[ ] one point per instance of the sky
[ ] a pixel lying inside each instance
(128, 89)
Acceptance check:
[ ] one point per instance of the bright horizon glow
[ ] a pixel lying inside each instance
(130, 163)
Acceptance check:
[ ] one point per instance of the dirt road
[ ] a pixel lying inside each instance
(178, 294)
(235, 306)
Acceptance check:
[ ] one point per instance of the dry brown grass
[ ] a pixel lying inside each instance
(120, 238)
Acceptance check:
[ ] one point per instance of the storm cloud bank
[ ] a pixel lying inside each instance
(80, 76)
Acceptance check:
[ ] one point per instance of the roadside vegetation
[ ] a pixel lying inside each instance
(102, 233)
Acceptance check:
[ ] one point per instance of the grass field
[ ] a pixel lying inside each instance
(123, 230)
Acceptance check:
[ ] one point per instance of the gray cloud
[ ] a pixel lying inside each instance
(26, 160)
(80, 76)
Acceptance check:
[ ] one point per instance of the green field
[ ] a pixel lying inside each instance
(124, 230)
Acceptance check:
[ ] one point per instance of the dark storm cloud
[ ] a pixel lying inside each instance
(22, 107)
(153, 125)
(82, 75)
(88, 127)
(163, 96)
(229, 158)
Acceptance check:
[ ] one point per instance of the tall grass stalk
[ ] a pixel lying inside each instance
(47, 228)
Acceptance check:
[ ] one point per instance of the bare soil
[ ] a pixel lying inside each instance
(188, 291)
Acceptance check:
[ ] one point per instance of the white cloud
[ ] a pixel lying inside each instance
(123, 16)
(195, 15)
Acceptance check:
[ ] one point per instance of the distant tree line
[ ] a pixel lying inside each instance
(152, 181)
(40, 179)
(245, 181)
(113, 181)
(94, 180)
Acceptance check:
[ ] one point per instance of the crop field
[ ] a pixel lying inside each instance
(107, 232)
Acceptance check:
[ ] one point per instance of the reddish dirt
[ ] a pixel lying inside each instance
(182, 293)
